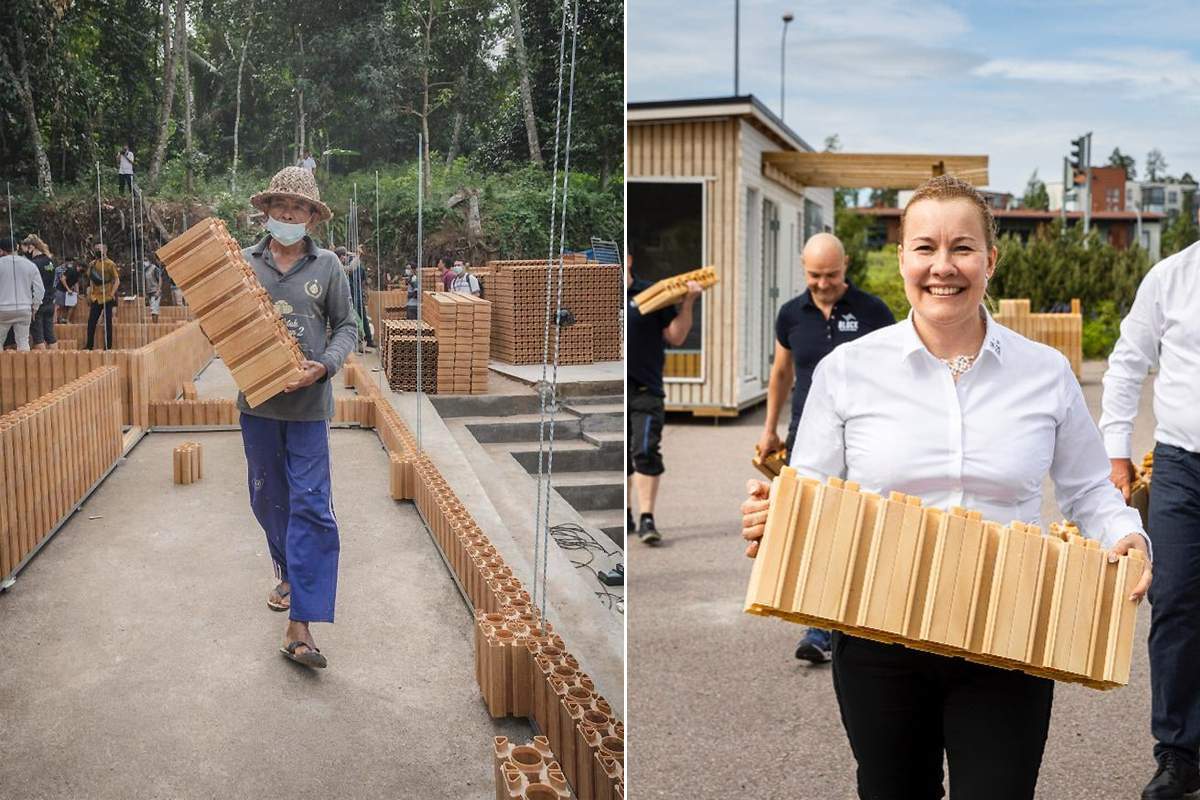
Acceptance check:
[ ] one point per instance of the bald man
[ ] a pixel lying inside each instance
(829, 313)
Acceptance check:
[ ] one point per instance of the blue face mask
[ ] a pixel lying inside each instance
(286, 233)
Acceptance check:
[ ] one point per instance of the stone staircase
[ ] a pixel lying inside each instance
(589, 453)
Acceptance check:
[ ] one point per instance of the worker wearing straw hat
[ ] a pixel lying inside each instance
(286, 438)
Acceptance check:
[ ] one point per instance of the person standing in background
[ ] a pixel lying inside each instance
(645, 413)
(21, 292)
(42, 330)
(103, 282)
(125, 169)
(829, 313)
(1162, 330)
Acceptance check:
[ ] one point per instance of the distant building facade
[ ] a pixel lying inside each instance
(1118, 228)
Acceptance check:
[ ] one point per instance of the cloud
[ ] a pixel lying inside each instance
(1142, 70)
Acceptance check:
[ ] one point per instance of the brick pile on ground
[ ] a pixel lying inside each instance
(399, 355)
(591, 291)
(462, 324)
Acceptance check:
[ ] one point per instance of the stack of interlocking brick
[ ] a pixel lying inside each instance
(462, 324)
(591, 292)
(398, 352)
(235, 312)
(893, 570)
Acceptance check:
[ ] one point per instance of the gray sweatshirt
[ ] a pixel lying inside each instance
(313, 297)
(21, 287)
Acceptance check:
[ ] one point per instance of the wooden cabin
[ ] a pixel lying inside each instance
(724, 182)
(700, 193)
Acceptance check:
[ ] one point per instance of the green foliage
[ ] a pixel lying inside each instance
(1036, 196)
(1119, 159)
(1101, 328)
(852, 229)
(883, 280)
(1058, 265)
(1183, 231)
(97, 79)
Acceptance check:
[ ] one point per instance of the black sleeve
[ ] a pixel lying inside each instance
(881, 315)
(783, 324)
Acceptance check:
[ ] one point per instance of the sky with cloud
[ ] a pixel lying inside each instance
(1015, 80)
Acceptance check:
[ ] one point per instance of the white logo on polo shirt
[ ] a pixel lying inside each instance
(313, 288)
(848, 323)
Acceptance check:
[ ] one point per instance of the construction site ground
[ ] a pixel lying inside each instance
(139, 657)
(749, 720)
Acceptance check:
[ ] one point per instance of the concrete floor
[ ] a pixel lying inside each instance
(139, 659)
(718, 706)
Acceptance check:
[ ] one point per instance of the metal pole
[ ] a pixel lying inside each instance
(420, 262)
(1087, 186)
(787, 18)
(103, 283)
(737, 35)
(11, 233)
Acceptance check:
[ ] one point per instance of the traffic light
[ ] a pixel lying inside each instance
(1079, 160)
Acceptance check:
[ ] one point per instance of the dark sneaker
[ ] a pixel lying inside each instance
(815, 646)
(1175, 779)
(630, 525)
(647, 532)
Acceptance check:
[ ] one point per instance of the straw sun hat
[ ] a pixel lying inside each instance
(293, 182)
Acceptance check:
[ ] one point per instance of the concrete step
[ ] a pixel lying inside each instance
(590, 458)
(583, 409)
(613, 439)
(601, 399)
(610, 521)
(592, 490)
(519, 428)
(485, 405)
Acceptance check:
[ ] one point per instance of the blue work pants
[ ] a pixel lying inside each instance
(291, 494)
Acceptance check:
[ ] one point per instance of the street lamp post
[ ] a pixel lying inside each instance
(737, 38)
(787, 18)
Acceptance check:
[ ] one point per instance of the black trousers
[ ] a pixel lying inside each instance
(124, 182)
(903, 708)
(644, 418)
(1175, 602)
(94, 317)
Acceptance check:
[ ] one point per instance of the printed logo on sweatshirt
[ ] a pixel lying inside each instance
(313, 288)
(284, 307)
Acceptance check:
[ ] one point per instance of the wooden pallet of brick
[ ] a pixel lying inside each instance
(945, 581)
(671, 290)
(400, 345)
(1062, 331)
(235, 312)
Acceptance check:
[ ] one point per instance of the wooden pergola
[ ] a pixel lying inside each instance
(872, 170)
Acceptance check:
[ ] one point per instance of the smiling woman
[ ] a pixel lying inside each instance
(949, 406)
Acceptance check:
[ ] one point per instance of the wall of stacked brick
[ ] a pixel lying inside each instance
(462, 324)
(592, 292)
(398, 354)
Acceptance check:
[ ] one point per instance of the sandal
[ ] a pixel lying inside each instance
(284, 604)
(310, 658)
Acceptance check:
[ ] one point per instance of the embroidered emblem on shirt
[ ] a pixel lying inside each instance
(284, 307)
(848, 323)
(313, 289)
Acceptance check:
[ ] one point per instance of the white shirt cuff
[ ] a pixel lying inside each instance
(1117, 445)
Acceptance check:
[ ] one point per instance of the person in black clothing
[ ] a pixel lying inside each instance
(41, 331)
(647, 339)
(830, 312)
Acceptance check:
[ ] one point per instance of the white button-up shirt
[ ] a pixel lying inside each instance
(884, 412)
(1162, 330)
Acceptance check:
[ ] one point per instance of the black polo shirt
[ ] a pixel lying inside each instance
(803, 329)
(646, 354)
